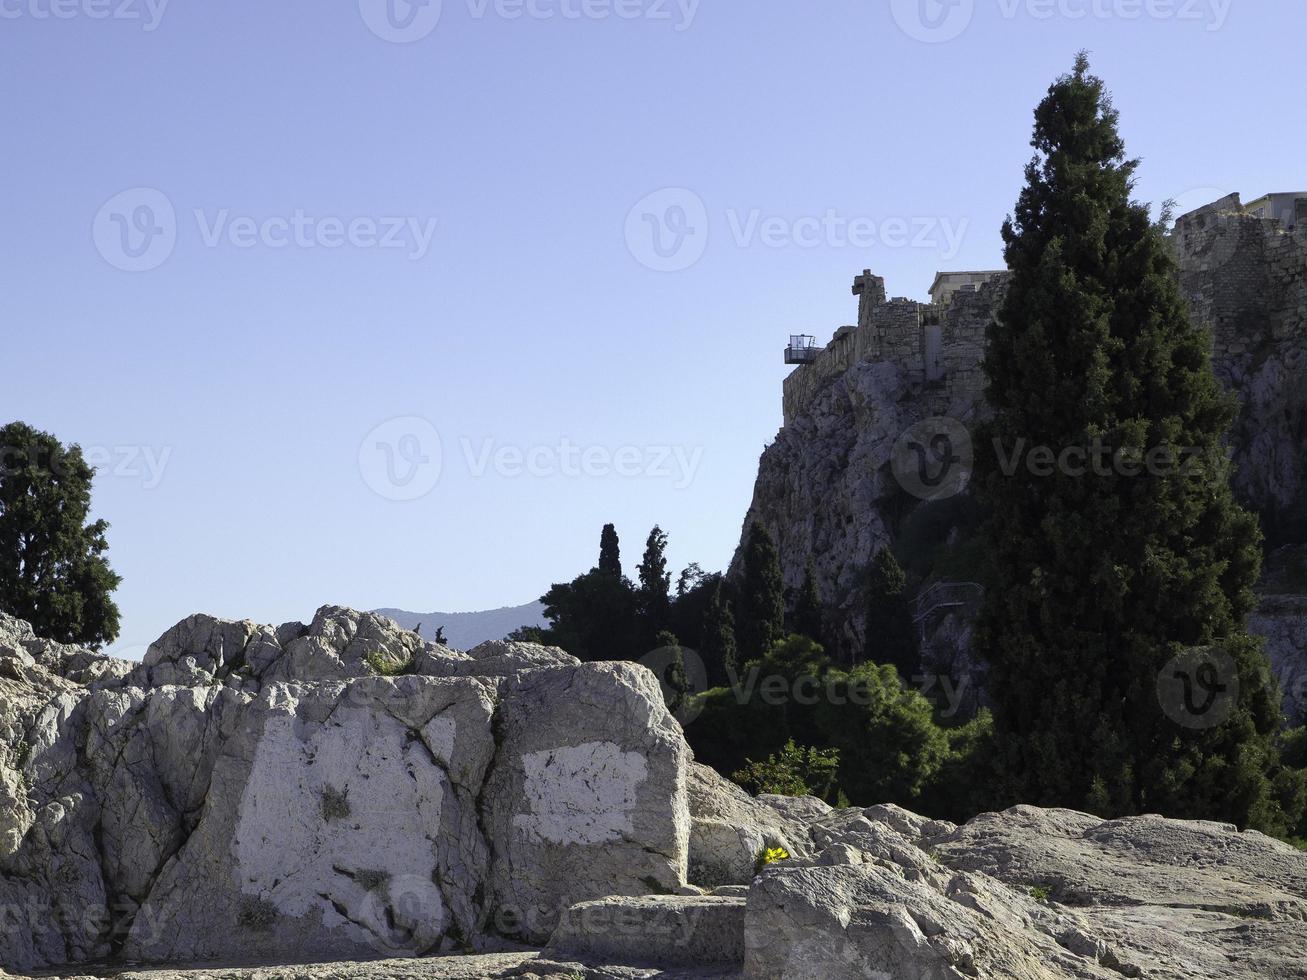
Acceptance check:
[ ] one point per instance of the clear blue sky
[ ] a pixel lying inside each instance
(256, 363)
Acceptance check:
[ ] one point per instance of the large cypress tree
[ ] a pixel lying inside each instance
(1104, 570)
(53, 572)
(761, 621)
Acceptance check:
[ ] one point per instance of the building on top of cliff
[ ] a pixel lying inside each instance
(1288, 206)
(948, 283)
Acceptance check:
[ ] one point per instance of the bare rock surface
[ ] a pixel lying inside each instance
(1031, 894)
(664, 930)
(337, 790)
(729, 829)
(488, 966)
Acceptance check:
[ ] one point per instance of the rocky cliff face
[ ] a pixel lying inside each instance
(828, 487)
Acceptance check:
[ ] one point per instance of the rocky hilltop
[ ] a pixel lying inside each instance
(827, 486)
(344, 791)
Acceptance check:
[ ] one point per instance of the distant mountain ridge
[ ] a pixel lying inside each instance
(465, 630)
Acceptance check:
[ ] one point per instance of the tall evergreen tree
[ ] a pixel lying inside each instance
(655, 583)
(53, 572)
(1103, 571)
(761, 621)
(718, 645)
(610, 554)
(807, 607)
(890, 635)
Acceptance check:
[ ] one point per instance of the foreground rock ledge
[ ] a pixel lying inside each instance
(274, 794)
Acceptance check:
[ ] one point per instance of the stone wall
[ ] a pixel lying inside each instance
(941, 369)
(1246, 281)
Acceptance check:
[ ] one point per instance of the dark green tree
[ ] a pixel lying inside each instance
(717, 646)
(761, 620)
(610, 553)
(691, 577)
(53, 570)
(807, 607)
(1114, 536)
(891, 637)
(890, 747)
(595, 617)
(676, 684)
(655, 590)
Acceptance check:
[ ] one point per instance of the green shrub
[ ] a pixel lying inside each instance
(796, 771)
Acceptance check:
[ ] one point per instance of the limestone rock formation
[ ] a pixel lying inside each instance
(339, 789)
(729, 829)
(1030, 894)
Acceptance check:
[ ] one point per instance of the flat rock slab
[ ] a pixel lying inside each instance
(669, 930)
(496, 966)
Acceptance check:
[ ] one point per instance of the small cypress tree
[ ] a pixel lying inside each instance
(807, 607)
(890, 635)
(761, 622)
(610, 555)
(655, 583)
(718, 646)
(1103, 570)
(53, 572)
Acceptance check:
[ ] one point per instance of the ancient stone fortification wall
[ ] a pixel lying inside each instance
(938, 349)
(1246, 281)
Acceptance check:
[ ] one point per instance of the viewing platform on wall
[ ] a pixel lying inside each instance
(803, 349)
